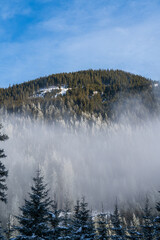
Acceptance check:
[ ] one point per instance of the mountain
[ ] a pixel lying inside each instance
(88, 94)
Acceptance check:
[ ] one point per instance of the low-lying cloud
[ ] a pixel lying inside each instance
(102, 163)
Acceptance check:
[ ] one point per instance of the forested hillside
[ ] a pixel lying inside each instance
(91, 92)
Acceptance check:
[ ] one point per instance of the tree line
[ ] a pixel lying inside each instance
(40, 218)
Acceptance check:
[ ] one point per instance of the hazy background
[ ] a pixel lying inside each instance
(101, 162)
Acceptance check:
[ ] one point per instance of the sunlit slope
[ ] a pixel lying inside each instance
(71, 95)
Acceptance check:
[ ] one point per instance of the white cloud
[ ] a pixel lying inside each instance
(76, 39)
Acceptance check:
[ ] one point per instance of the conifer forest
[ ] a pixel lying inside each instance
(79, 157)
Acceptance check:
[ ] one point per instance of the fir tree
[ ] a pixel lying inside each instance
(147, 227)
(3, 176)
(66, 227)
(133, 229)
(157, 222)
(35, 212)
(76, 221)
(55, 220)
(10, 229)
(91, 227)
(1, 234)
(83, 226)
(102, 226)
(117, 225)
(3, 171)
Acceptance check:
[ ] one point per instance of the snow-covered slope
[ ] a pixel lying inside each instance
(58, 91)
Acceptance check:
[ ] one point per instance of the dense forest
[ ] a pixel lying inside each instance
(94, 92)
(41, 218)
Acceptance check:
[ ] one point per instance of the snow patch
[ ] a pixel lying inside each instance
(42, 92)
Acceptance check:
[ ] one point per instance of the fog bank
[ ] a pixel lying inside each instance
(120, 160)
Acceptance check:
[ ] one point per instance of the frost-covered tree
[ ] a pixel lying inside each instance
(1, 234)
(157, 221)
(91, 227)
(82, 223)
(34, 220)
(76, 221)
(133, 229)
(3, 177)
(118, 231)
(10, 227)
(3, 171)
(54, 218)
(102, 228)
(66, 226)
(147, 227)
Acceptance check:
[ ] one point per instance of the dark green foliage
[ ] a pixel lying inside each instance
(35, 213)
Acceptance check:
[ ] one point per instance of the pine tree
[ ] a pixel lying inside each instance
(10, 229)
(83, 227)
(55, 219)
(76, 221)
(148, 227)
(133, 229)
(1, 234)
(34, 219)
(102, 226)
(3, 176)
(3, 171)
(117, 225)
(157, 222)
(66, 227)
(91, 227)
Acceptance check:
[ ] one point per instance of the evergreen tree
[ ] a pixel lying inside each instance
(35, 212)
(133, 229)
(83, 226)
(3, 171)
(66, 227)
(1, 234)
(91, 227)
(3, 176)
(10, 229)
(118, 231)
(55, 220)
(157, 222)
(147, 227)
(76, 221)
(102, 226)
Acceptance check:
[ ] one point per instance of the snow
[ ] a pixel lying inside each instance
(156, 84)
(62, 92)
(41, 93)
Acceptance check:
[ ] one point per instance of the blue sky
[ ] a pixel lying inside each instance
(42, 37)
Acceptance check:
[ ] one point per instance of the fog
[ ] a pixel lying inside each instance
(102, 162)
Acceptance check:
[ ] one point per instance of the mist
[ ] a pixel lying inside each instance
(102, 162)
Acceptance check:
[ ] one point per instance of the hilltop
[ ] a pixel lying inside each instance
(84, 93)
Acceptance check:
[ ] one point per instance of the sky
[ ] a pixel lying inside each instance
(42, 37)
